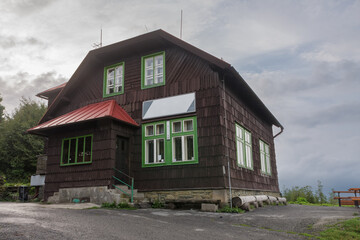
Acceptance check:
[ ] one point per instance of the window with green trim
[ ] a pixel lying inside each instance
(153, 70)
(265, 158)
(243, 147)
(170, 142)
(76, 150)
(114, 80)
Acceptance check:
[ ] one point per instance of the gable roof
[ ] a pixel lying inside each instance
(94, 111)
(54, 90)
(155, 39)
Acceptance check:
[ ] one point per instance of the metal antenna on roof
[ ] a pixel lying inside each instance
(181, 24)
(146, 29)
(98, 45)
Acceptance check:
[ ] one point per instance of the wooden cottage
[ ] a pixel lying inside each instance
(170, 117)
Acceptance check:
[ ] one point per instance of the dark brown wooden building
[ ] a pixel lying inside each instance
(166, 113)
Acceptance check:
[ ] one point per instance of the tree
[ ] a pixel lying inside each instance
(18, 149)
(320, 195)
(2, 108)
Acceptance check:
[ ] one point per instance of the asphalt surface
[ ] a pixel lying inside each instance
(42, 221)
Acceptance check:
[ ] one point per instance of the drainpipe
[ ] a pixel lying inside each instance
(227, 141)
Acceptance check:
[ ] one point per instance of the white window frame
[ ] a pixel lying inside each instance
(244, 153)
(265, 157)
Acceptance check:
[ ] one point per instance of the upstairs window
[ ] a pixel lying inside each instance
(153, 70)
(265, 158)
(76, 150)
(243, 147)
(114, 80)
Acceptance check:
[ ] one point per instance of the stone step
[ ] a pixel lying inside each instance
(125, 189)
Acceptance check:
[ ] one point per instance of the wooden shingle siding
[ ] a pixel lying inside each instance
(237, 111)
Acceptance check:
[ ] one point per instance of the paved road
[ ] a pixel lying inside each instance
(37, 221)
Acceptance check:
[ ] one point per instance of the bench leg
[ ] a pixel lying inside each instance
(356, 203)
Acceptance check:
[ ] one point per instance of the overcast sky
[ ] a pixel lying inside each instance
(302, 58)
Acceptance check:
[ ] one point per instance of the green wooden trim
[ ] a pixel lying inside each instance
(168, 143)
(244, 144)
(266, 158)
(76, 150)
(153, 55)
(105, 80)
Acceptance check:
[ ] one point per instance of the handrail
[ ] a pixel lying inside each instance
(130, 186)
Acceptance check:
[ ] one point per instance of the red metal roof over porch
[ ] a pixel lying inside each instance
(90, 112)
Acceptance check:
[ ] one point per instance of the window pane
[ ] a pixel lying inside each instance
(149, 81)
(159, 60)
(80, 151)
(262, 157)
(247, 136)
(248, 156)
(239, 132)
(188, 125)
(189, 147)
(160, 150)
(176, 127)
(159, 71)
(111, 90)
(118, 71)
(150, 130)
(149, 151)
(159, 129)
(72, 150)
(110, 73)
(240, 152)
(149, 62)
(149, 72)
(88, 141)
(177, 146)
(268, 164)
(65, 152)
(266, 149)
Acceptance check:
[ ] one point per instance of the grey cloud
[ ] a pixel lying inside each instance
(340, 114)
(22, 84)
(11, 41)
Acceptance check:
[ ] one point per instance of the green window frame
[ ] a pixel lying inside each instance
(265, 158)
(114, 79)
(162, 146)
(243, 147)
(76, 150)
(153, 70)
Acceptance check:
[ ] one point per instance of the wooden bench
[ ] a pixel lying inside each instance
(348, 200)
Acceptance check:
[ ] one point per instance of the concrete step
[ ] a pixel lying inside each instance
(125, 189)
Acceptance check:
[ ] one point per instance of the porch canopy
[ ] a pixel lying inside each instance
(106, 109)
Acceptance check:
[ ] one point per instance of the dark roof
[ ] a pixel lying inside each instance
(155, 39)
(109, 109)
(54, 90)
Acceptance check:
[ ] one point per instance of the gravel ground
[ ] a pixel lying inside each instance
(69, 221)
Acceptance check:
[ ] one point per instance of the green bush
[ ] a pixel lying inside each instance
(113, 205)
(157, 204)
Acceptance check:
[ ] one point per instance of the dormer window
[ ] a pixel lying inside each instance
(153, 70)
(114, 80)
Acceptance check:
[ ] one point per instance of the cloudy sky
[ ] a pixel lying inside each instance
(302, 58)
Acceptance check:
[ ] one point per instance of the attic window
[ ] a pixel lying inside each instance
(153, 70)
(114, 80)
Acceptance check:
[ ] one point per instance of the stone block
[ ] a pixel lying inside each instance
(209, 207)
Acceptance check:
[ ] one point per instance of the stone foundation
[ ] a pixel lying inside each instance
(209, 195)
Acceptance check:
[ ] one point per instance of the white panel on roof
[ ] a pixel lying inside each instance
(169, 106)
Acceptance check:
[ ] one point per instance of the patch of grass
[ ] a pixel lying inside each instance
(157, 204)
(113, 205)
(228, 209)
(355, 214)
(345, 230)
